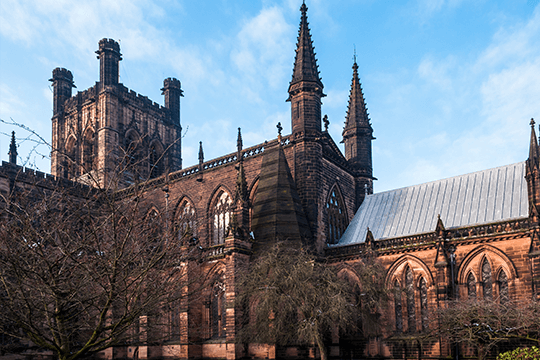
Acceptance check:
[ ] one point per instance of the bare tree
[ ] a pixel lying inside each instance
(485, 324)
(293, 299)
(84, 268)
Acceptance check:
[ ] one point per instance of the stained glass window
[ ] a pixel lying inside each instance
(397, 307)
(471, 286)
(337, 217)
(186, 221)
(424, 303)
(503, 287)
(487, 284)
(409, 289)
(221, 216)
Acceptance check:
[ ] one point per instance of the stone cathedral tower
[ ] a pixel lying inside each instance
(108, 129)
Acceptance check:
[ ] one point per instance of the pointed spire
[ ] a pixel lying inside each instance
(534, 151)
(239, 143)
(201, 153)
(357, 114)
(305, 63)
(13, 150)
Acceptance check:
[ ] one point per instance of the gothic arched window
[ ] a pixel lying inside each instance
(503, 287)
(471, 286)
(220, 217)
(88, 152)
(424, 303)
(487, 284)
(175, 321)
(155, 160)
(409, 290)
(397, 307)
(218, 313)
(337, 216)
(131, 156)
(186, 221)
(70, 159)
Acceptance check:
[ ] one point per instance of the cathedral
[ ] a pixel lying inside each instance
(471, 236)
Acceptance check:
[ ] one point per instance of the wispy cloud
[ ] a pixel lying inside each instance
(262, 53)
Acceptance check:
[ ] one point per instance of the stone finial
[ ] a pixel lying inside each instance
(239, 143)
(279, 129)
(13, 150)
(326, 122)
(201, 153)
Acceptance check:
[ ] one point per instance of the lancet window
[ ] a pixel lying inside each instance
(218, 314)
(88, 152)
(397, 307)
(487, 284)
(503, 287)
(423, 303)
(155, 160)
(409, 290)
(337, 216)
(186, 221)
(131, 155)
(70, 160)
(471, 286)
(175, 322)
(221, 217)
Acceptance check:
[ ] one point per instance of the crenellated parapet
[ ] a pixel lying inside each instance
(62, 82)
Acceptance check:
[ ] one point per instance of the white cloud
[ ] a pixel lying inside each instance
(263, 51)
(427, 8)
(10, 104)
(17, 21)
(436, 73)
(513, 44)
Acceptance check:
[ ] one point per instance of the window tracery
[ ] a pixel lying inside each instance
(337, 216)
(409, 290)
(155, 160)
(397, 307)
(487, 281)
(503, 287)
(88, 152)
(218, 315)
(131, 154)
(221, 217)
(423, 303)
(471, 286)
(186, 221)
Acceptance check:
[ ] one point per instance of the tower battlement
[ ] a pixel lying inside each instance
(110, 45)
(172, 83)
(62, 74)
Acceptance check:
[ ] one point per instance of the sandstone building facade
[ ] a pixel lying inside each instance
(471, 236)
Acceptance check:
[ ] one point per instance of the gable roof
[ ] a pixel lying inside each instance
(482, 197)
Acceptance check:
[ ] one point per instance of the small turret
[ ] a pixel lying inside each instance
(172, 90)
(13, 150)
(109, 57)
(62, 82)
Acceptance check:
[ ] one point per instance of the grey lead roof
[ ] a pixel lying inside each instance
(481, 197)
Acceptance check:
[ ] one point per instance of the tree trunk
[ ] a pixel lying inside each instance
(322, 348)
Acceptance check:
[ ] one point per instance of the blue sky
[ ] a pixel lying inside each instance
(450, 85)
